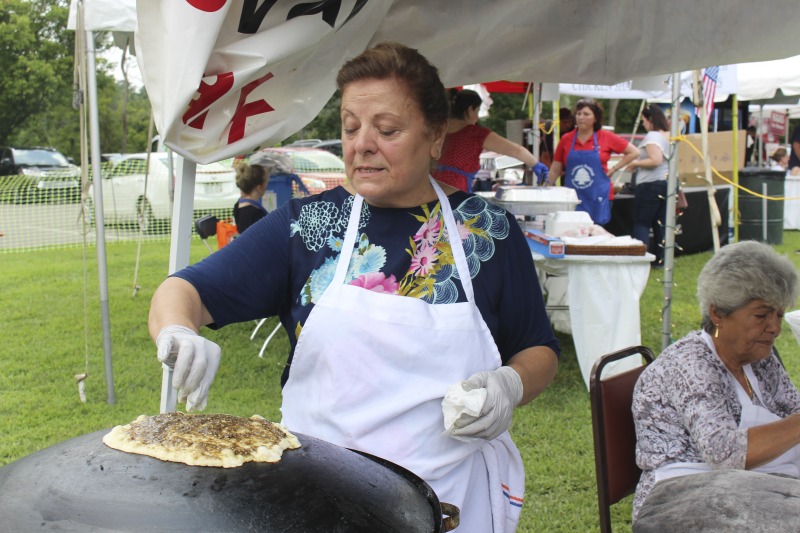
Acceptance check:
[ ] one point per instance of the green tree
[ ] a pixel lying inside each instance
(37, 87)
(59, 124)
(36, 51)
(326, 125)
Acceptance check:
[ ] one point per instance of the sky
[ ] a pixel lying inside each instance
(114, 56)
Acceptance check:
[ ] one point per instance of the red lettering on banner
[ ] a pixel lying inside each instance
(207, 95)
(244, 110)
(209, 6)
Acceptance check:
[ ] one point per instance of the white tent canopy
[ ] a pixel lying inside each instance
(655, 88)
(765, 82)
(275, 65)
(265, 74)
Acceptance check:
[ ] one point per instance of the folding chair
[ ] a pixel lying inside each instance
(269, 338)
(206, 227)
(614, 432)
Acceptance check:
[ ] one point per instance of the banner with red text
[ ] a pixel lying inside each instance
(244, 74)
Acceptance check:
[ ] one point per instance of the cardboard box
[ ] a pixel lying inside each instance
(545, 244)
(691, 167)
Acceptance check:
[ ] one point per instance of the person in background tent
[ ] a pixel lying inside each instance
(566, 124)
(393, 290)
(779, 159)
(794, 156)
(252, 181)
(650, 194)
(459, 161)
(582, 157)
(567, 120)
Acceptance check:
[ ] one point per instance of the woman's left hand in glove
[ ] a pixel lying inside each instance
(503, 393)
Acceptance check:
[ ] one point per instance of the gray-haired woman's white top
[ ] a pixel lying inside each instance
(646, 175)
(686, 409)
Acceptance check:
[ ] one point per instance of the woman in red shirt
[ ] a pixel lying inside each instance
(582, 156)
(465, 140)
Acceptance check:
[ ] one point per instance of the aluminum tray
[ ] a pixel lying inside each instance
(537, 194)
(532, 201)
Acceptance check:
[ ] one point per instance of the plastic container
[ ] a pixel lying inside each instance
(281, 185)
(753, 224)
(561, 222)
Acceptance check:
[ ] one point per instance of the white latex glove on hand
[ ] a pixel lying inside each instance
(503, 393)
(194, 360)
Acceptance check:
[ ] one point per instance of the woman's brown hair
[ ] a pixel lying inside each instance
(248, 177)
(388, 60)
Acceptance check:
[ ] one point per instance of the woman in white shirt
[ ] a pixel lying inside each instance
(650, 201)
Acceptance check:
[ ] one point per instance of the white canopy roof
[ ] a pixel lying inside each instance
(762, 81)
(265, 70)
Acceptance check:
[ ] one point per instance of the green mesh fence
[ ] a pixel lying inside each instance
(52, 210)
(49, 211)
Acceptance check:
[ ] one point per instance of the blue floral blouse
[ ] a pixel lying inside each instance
(283, 263)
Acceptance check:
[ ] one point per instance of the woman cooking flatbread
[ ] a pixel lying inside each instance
(392, 289)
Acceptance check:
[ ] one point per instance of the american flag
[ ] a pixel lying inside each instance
(709, 88)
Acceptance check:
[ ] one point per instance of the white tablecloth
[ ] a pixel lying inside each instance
(791, 208)
(602, 294)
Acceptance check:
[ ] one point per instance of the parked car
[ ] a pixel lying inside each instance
(319, 169)
(333, 146)
(31, 174)
(125, 201)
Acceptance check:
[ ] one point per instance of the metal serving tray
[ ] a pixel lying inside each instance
(532, 201)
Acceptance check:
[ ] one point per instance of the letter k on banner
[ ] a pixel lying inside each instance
(227, 76)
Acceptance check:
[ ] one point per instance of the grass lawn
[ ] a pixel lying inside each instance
(51, 331)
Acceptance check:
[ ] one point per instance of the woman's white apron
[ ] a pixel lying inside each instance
(752, 415)
(370, 371)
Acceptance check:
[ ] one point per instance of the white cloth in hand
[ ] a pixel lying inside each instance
(503, 393)
(461, 404)
(195, 361)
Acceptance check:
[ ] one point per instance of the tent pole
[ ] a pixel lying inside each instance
(557, 122)
(669, 230)
(179, 248)
(735, 124)
(536, 137)
(97, 182)
(760, 135)
(713, 210)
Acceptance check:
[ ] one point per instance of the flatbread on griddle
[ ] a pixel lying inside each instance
(203, 440)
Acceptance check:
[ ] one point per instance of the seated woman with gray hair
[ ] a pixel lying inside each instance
(720, 398)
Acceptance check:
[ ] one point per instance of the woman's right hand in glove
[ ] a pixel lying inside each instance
(194, 360)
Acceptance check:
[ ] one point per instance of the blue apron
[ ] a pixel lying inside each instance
(585, 174)
(464, 173)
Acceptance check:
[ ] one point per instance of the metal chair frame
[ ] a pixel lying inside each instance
(269, 338)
